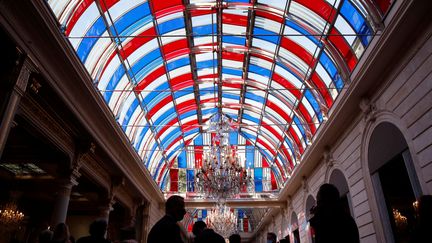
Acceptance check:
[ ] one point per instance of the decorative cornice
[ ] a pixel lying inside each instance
(48, 126)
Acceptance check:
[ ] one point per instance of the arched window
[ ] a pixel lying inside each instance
(310, 203)
(394, 181)
(337, 179)
(295, 228)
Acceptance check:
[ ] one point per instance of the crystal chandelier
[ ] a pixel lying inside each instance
(10, 215)
(222, 220)
(221, 175)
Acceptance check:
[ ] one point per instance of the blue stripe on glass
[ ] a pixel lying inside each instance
(145, 60)
(258, 179)
(140, 138)
(351, 14)
(232, 71)
(266, 154)
(309, 96)
(174, 151)
(235, 40)
(164, 180)
(249, 95)
(131, 17)
(357, 21)
(198, 140)
(193, 131)
(190, 176)
(248, 136)
(299, 126)
(266, 35)
(181, 159)
(154, 97)
(250, 158)
(87, 44)
(170, 25)
(204, 30)
(233, 138)
(328, 64)
(289, 70)
(231, 96)
(171, 137)
(207, 64)
(157, 169)
(150, 67)
(259, 70)
(129, 31)
(288, 142)
(339, 83)
(129, 113)
(150, 156)
(188, 114)
(251, 118)
(300, 29)
(183, 92)
(115, 78)
(177, 63)
(209, 111)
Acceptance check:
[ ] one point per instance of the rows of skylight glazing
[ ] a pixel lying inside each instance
(165, 67)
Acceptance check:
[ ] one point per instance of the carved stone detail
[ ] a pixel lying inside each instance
(369, 109)
(328, 157)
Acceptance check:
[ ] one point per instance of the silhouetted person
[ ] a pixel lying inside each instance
(234, 238)
(45, 236)
(209, 236)
(128, 235)
(97, 232)
(271, 237)
(61, 234)
(166, 229)
(330, 222)
(423, 230)
(197, 229)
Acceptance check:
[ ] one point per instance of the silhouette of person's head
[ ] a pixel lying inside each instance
(98, 228)
(61, 232)
(209, 236)
(271, 237)
(175, 207)
(235, 238)
(45, 236)
(328, 196)
(198, 227)
(127, 233)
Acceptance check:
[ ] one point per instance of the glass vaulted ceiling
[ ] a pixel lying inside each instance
(165, 67)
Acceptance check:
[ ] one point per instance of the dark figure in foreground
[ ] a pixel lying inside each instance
(330, 222)
(97, 232)
(166, 229)
(209, 236)
(424, 221)
(235, 238)
(271, 237)
(128, 235)
(198, 227)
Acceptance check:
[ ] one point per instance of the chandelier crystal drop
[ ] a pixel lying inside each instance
(222, 220)
(221, 175)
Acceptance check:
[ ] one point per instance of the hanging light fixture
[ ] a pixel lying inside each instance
(222, 220)
(10, 215)
(221, 175)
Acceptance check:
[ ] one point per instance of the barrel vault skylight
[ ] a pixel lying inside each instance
(165, 67)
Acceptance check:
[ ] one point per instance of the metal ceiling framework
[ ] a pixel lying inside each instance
(166, 67)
